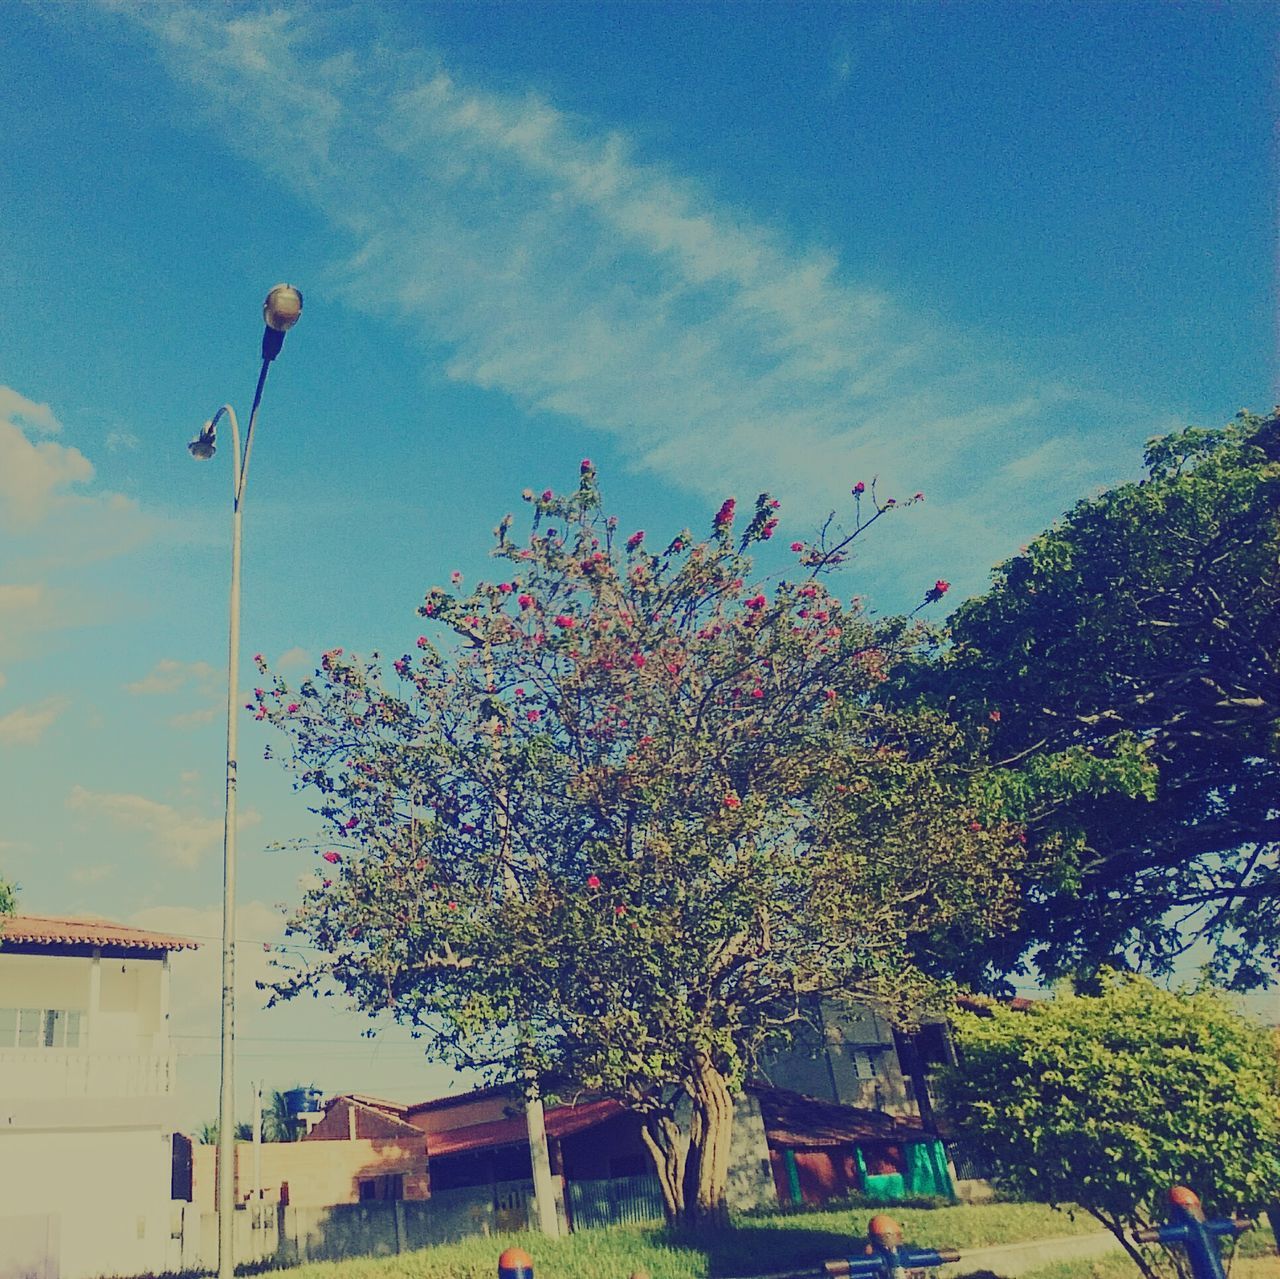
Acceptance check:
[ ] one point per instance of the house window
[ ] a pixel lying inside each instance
(381, 1189)
(40, 1028)
(864, 1063)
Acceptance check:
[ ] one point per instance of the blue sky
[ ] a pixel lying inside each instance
(982, 251)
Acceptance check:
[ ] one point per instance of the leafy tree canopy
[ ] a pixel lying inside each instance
(1125, 668)
(1109, 1101)
(632, 811)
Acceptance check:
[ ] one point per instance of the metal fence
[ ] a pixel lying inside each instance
(612, 1202)
(968, 1165)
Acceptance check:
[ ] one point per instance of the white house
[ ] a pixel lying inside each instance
(86, 1082)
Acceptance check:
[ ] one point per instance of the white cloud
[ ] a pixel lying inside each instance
(194, 719)
(121, 440)
(175, 836)
(170, 675)
(33, 473)
(26, 725)
(293, 659)
(564, 269)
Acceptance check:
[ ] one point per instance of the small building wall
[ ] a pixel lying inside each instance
(480, 1110)
(824, 1061)
(345, 1119)
(318, 1174)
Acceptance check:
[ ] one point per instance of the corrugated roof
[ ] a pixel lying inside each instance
(561, 1121)
(51, 930)
(791, 1119)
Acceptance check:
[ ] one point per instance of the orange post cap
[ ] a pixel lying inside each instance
(1184, 1197)
(515, 1259)
(883, 1227)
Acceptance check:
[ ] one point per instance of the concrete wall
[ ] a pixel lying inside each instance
(289, 1236)
(318, 1173)
(107, 1191)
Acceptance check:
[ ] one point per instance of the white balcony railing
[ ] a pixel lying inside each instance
(30, 1074)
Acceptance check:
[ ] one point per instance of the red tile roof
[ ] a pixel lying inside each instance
(49, 930)
(562, 1121)
(791, 1119)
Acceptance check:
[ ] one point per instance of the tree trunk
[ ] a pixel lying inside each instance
(661, 1135)
(706, 1173)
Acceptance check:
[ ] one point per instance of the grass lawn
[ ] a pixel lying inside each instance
(755, 1245)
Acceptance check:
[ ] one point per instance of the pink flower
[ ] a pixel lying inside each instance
(859, 489)
(519, 692)
(830, 694)
(352, 823)
(677, 546)
(332, 858)
(975, 826)
(797, 546)
(326, 883)
(637, 660)
(767, 532)
(585, 465)
(635, 539)
(917, 497)
(892, 501)
(724, 516)
(455, 577)
(547, 495)
(619, 910)
(422, 641)
(564, 622)
(504, 588)
(941, 587)
(775, 504)
(525, 601)
(533, 716)
(593, 881)
(452, 905)
(732, 801)
(292, 708)
(757, 691)
(755, 603)
(994, 717)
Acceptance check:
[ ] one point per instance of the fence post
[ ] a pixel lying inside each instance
(401, 1233)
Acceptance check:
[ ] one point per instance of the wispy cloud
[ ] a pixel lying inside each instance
(293, 659)
(181, 838)
(170, 676)
(26, 725)
(564, 269)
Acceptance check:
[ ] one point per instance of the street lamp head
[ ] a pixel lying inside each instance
(282, 308)
(204, 446)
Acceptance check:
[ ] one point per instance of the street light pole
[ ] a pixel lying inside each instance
(280, 312)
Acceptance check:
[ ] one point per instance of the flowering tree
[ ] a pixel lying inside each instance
(633, 814)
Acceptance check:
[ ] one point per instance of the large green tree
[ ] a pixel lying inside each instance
(1126, 669)
(1109, 1101)
(631, 811)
